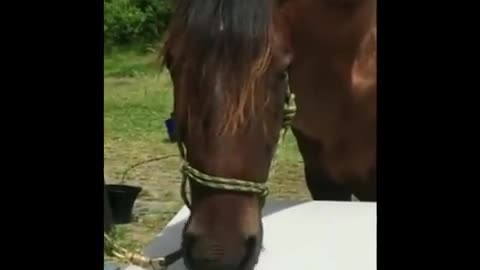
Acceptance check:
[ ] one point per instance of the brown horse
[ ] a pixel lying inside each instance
(229, 61)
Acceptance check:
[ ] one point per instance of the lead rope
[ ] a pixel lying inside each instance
(188, 172)
(135, 258)
(160, 263)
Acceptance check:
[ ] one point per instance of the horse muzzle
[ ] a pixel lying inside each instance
(205, 253)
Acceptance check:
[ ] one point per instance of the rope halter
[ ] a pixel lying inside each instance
(230, 184)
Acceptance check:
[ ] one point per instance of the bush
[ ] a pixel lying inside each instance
(134, 21)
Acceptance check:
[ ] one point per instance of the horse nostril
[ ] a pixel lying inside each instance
(251, 242)
(250, 246)
(252, 249)
(189, 241)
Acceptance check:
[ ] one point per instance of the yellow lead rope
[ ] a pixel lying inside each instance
(133, 258)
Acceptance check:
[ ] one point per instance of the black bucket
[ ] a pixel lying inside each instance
(122, 199)
(107, 210)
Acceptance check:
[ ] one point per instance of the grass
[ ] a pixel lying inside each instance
(137, 100)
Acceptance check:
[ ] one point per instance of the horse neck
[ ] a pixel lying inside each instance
(318, 25)
(327, 39)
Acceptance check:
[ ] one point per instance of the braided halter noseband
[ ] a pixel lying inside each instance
(230, 184)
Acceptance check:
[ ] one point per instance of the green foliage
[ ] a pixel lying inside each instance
(134, 21)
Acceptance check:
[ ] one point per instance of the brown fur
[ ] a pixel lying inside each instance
(228, 93)
(334, 78)
(240, 69)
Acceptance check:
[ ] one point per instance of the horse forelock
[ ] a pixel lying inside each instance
(221, 42)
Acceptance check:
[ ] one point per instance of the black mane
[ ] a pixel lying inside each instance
(226, 42)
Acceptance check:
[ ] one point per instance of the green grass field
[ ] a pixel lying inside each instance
(137, 100)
